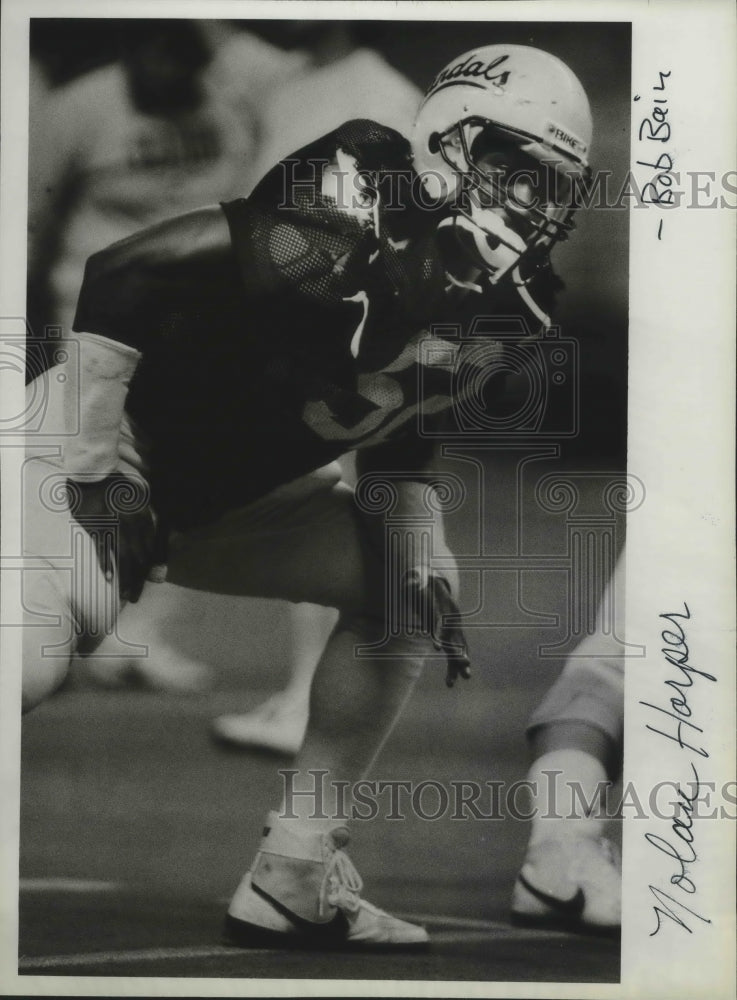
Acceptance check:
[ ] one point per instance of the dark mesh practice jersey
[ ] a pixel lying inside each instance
(313, 333)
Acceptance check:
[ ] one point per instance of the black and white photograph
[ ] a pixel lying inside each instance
(368, 499)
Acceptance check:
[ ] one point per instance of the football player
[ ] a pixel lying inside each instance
(230, 355)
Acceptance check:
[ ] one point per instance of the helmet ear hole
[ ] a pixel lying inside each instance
(433, 142)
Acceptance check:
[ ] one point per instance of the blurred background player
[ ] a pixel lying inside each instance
(342, 77)
(172, 124)
(571, 876)
(149, 135)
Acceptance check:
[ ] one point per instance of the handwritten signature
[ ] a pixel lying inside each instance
(656, 128)
(678, 728)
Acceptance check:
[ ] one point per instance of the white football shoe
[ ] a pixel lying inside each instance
(278, 726)
(572, 883)
(304, 892)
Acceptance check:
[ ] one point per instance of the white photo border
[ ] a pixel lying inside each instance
(681, 445)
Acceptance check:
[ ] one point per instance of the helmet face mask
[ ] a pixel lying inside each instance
(504, 152)
(507, 193)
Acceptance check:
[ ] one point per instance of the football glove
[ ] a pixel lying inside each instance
(429, 602)
(117, 502)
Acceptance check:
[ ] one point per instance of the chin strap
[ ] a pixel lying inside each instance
(474, 241)
(457, 283)
(528, 300)
(508, 254)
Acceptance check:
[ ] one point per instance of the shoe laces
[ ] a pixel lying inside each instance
(341, 884)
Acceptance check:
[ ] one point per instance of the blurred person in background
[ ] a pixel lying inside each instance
(341, 78)
(171, 125)
(131, 143)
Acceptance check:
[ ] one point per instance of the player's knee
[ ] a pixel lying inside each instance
(50, 636)
(41, 677)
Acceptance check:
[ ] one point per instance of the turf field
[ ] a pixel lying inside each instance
(136, 828)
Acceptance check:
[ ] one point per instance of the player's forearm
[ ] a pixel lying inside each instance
(94, 401)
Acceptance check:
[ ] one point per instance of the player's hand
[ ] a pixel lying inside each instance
(430, 602)
(116, 514)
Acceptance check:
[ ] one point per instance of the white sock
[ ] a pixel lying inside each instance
(564, 782)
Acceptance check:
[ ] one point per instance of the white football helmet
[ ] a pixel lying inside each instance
(502, 136)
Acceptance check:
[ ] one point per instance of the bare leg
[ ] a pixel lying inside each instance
(280, 722)
(300, 871)
(355, 702)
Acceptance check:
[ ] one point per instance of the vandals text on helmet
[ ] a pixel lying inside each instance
(472, 69)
